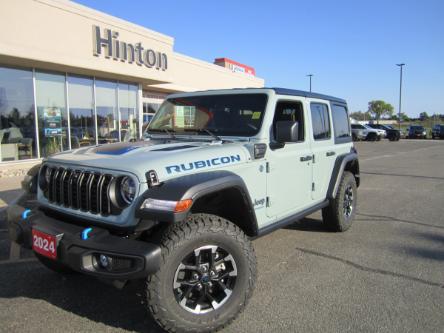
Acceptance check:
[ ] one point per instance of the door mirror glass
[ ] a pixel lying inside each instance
(287, 131)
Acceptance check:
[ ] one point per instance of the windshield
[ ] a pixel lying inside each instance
(357, 126)
(231, 115)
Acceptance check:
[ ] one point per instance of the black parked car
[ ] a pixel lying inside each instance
(392, 133)
(416, 131)
(438, 131)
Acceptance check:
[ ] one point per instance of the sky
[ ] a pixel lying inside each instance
(351, 47)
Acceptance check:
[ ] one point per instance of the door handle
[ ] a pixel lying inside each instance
(330, 153)
(306, 158)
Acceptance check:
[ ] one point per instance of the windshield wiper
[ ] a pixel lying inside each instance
(210, 133)
(203, 130)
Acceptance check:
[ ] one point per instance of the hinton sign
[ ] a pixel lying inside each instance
(126, 52)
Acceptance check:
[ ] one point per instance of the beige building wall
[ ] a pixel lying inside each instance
(58, 35)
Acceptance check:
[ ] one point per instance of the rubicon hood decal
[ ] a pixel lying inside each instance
(183, 167)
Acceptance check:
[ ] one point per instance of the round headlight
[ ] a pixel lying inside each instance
(127, 189)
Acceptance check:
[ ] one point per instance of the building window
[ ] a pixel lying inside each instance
(149, 110)
(111, 115)
(81, 112)
(106, 108)
(51, 111)
(129, 116)
(17, 117)
(320, 121)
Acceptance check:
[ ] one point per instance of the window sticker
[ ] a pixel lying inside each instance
(256, 115)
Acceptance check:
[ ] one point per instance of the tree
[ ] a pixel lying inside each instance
(424, 116)
(380, 109)
(359, 115)
(404, 117)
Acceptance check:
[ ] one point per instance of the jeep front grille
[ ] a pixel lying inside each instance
(77, 189)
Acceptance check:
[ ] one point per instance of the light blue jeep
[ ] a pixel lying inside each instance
(215, 170)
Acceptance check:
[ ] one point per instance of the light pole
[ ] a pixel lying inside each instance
(400, 94)
(310, 75)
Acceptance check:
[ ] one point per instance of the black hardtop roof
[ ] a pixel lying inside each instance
(293, 92)
(280, 91)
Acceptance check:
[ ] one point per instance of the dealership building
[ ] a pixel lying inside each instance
(71, 76)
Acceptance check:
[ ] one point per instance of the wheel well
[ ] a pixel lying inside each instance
(353, 167)
(230, 204)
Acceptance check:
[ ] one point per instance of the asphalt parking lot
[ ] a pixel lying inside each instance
(386, 274)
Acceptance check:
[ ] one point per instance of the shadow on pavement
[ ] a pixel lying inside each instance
(398, 175)
(81, 295)
(371, 217)
(432, 253)
(308, 224)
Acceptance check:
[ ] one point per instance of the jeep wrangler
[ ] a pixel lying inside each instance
(216, 169)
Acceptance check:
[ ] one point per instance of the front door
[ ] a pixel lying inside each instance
(290, 167)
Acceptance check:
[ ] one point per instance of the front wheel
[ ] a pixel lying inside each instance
(339, 214)
(207, 275)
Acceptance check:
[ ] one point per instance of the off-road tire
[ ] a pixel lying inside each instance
(54, 265)
(184, 237)
(333, 215)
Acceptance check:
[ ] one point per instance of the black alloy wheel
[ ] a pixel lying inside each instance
(205, 279)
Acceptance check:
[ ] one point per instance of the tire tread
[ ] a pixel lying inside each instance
(196, 224)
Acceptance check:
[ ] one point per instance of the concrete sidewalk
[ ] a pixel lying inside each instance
(10, 190)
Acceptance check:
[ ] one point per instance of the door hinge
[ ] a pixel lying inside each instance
(267, 167)
(314, 158)
(313, 186)
(268, 202)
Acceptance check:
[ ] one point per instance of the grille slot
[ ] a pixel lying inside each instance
(78, 189)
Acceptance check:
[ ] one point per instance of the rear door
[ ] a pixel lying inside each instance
(322, 145)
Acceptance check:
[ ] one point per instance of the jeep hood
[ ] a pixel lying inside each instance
(168, 159)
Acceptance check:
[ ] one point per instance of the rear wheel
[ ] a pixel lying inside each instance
(339, 214)
(206, 277)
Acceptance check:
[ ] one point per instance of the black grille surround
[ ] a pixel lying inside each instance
(84, 190)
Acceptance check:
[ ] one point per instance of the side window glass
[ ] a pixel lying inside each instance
(292, 111)
(320, 121)
(340, 121)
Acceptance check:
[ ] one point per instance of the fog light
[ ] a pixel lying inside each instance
(105, 262)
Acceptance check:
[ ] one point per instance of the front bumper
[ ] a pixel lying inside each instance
(132, 258)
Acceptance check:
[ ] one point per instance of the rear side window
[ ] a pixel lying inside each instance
(320, 121)
(341, 123)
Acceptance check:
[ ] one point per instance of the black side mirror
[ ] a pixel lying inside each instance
(287, 131)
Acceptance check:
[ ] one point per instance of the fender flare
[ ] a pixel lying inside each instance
(338, 170)
(194, 187)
